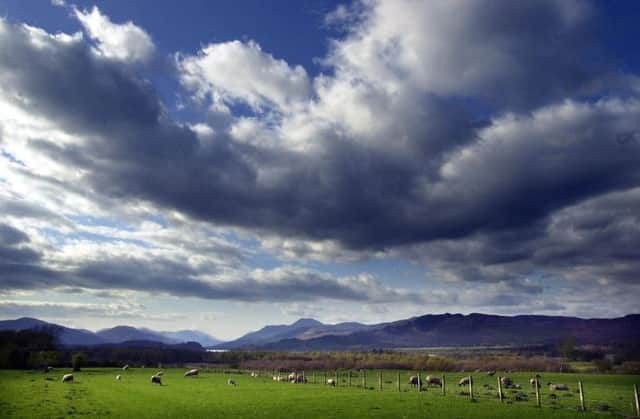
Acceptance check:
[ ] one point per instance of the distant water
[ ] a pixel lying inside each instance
(217, 350)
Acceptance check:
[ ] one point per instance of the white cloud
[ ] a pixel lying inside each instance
(123, 42)
(241, 72)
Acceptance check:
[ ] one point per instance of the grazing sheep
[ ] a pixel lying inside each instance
(413, 380)
(291, 377)
(191, 373)
(118, 377)
(299, 379)
(126, 367)
(156, 380)
(331, 382)
(534, 380)
(160, 373)
(254, 374)
(276, 378)
(491, 373)
(463, 382)
(67, 378)
(433, 381)
(558, 387)
(506, 381)
(231, 382)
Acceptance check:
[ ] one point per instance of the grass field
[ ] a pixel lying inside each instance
(96, 393)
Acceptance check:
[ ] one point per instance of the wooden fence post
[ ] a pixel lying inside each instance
(500, 396)
(313, 376)
(304, 379)
(380, 379)
(580, 389)
(471, 387)
(398, 380)
(419, 383)
(537, 384)
(337, 376)
(325, 377)
(635, 395)
(364, 379)
(444, 392)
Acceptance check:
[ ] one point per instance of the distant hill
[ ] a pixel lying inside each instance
(302, 329)
(115, 335)
(449, 330)
(127, 333)
(192, 336)
(64, 335)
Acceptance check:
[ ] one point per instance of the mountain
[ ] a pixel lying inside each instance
(127, 333)
(449, 330)
(302, 329)
(115, 335)
(64, 335)
(192, 336)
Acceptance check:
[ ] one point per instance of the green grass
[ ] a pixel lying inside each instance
(96, 393)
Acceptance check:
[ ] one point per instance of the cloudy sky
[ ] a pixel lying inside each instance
(224, 165)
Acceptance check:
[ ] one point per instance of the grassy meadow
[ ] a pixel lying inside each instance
(96, 393)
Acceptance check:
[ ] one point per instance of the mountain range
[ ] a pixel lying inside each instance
(442, 330)
(423, 331)
(119, 334)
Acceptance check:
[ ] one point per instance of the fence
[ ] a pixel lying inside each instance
(580, 395)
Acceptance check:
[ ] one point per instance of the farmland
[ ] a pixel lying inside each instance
(96, 393)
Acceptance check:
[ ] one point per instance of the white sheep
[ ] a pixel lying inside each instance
(331, 382)
(558, 387)
(67, 378)
(231, 382)
(191, 373)
(433, 381)
(126, 367)
(118, 377)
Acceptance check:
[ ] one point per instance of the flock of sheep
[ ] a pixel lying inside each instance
(296, 378)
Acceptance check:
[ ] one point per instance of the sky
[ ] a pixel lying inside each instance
(225, 165)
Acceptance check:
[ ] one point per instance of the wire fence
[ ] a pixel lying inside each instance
(478, 387)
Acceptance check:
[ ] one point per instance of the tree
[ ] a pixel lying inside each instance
(78, 360)
(567, 349)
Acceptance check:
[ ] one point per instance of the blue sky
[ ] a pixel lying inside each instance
(224, 165)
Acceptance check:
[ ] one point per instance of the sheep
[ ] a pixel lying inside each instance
(506, 381)
(463, 382)
(299, 379)
(491, 373)
(413, 380)
(160, 373)
(292, 377)
(191, 373)
(558, 387)
(331, 382)
(126, 367)
(535, 380)
(156, 380)
(67, 378)
(118, 377)
(435, 381)
(231, 382)
(254, 374)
